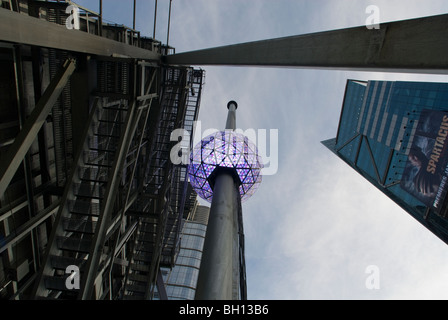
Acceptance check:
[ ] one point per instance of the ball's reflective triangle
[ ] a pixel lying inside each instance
(227, 149)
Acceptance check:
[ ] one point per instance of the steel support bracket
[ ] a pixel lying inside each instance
(10, 162)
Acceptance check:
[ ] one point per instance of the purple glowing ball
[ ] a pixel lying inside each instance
(230, 150)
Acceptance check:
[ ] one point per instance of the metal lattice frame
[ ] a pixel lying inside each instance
(112, 135)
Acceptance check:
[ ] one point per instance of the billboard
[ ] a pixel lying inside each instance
(426, 173)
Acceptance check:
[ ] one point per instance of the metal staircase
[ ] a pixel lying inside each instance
(147, 246)
(159, 207)
(78, 217)
(112, 142)
(105, 204)
(120, 215)
(152, 208)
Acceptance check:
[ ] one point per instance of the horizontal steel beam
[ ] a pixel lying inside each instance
(23, 29)
(26, 228)
(415, 46)
(10, 162)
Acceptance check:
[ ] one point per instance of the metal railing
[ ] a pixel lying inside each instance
(90, 21)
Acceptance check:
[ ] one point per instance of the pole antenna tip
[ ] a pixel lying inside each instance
(232, 102)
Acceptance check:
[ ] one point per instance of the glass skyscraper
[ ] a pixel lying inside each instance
(181, 281)
(395, 134)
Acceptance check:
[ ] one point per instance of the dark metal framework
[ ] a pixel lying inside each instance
(90, 183)
(380, 176)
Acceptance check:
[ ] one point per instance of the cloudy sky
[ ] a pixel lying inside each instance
(313, 228)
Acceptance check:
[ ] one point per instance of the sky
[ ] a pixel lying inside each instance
(312, 229)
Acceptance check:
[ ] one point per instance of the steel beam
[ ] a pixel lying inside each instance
(23, 29)
(10, 162)
(29, 226)
(161, 286)
(415, 46)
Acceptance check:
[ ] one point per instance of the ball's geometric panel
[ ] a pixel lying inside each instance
(225, 149)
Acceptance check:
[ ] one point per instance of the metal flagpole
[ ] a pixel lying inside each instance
(216, 272)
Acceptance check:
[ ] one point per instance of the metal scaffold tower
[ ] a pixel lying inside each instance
(104, 204)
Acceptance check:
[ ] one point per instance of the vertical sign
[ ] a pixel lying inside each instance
(426, 173)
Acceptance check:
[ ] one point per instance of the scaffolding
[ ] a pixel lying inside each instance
(96, 189)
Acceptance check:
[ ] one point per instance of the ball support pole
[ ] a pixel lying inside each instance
(216, 274)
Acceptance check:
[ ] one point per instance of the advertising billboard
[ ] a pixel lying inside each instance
(426, 173)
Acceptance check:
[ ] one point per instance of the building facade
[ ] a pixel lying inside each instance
(395, 135)
(181, 281)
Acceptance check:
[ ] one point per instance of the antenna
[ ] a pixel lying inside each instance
(225, 169)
